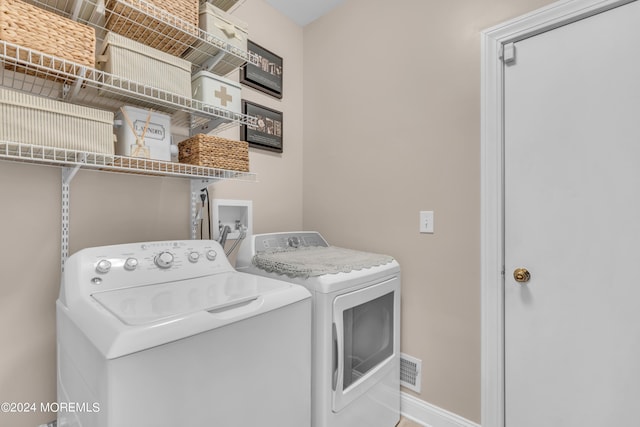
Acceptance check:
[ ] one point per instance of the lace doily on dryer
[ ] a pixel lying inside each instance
(317, 261)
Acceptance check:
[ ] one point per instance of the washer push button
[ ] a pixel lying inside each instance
(131, 264)
(103, 266)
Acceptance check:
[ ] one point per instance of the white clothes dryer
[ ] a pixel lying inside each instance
(356, 323)
(166, 334)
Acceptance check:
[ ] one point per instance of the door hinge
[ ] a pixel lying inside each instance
(508, 53)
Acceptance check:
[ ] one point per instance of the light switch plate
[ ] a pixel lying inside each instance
(426, 222)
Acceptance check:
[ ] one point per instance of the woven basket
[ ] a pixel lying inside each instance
(35, 28)
(167, 25)
(215, 152)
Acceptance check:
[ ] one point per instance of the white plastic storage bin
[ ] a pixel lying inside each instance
(227, 31)
(140, 63)
(156, 141)
(29, 119)
(217, 91)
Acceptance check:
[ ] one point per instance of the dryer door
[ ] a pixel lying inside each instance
(366, 339)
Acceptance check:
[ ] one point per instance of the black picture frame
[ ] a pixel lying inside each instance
(266, 78)
(268, 134)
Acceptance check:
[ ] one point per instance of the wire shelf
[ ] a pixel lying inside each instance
(152, 26)
(40, 74)
(52, 156)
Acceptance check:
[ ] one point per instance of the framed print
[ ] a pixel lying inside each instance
(267, 134)
(267, 77)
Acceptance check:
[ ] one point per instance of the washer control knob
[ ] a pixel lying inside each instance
(131, 264)
(164, 259)
(194, 256)
(103, 266)
(211, 255)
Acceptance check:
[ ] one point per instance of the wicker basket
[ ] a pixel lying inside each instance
(35, 28)
(167, 25)
(215, 152)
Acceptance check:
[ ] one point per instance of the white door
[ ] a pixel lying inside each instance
(572, 219)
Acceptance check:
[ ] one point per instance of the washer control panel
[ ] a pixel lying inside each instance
(135, 264)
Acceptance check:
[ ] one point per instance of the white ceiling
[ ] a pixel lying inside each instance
(303, 12)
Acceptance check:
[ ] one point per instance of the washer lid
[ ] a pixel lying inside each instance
(147, 304)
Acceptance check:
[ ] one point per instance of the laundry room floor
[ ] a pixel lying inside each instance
(407, 423)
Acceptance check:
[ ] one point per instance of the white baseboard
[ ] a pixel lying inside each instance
(430, 415)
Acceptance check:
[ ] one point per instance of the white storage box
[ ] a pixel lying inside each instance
(227, 31)
(143, 64)
(34, 120)
(223, 4)
(152, 137)
(217, 91)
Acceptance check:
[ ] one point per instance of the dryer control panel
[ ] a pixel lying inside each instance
(288, 240)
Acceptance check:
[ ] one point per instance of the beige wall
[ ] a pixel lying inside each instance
(277, 197)
(392, 127)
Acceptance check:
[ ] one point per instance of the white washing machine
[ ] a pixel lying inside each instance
(167, 334)
(356, 323)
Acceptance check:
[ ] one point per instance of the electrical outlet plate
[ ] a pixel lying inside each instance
(426, 222)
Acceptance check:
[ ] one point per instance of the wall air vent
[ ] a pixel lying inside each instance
(410, 369)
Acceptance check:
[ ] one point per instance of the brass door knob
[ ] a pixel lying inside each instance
(521, 275)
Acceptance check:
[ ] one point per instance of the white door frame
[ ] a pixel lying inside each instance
(492, 185)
